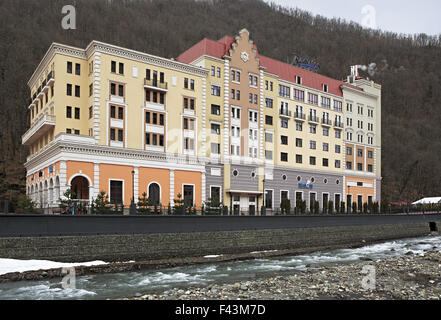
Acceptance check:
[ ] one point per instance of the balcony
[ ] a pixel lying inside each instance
(50, 78)
(41, 125)
(313, 119)
(155, 84)
(326, 122)
(299, 116)
(285, 113)
(338, 124)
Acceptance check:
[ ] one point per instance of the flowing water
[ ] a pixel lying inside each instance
(120, 285)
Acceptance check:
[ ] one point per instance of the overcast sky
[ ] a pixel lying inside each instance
(401, 16)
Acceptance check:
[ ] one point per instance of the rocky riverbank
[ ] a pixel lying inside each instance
(410, 277)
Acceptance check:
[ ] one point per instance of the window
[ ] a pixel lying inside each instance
(266, 84)
(349, 165)
(299, 95)
(188, 144)
(312, 98)
(325, 146)
(325, 88)
(189, 103)
(90, 89)
(299, 142)
(218, 72)
(269, 103)
(326, 102)
(349, 151)
(77, 69)
(370, 154)
(253, 116)
(326, 132)
(337, 149)
(370, 168)
(338, 105)
(233, 75)
(121, 68)
(359, 152)
(188, 124)
(269, 137)
(269, 120)
(77, 91)
(325, 162)
(77, 113)
(312, 145)
(284, 91)
(284, 140)
(235, 113)
(359, 166)
(215, 148)
(338, 134)
(69, 67)
(68, 131)
(69, 89)
(68, 112)
(349, 135)
(90, 112)
(77, 132)
(191, 84)
(213, 71)
(284, 123)
(298, 80)
(337, 164)
(268, 154)
(215, 128)
(186, 83)
(313, 129)
(215, 109)
(269, 199)
(116, 191)
(312, 161)
(113, 67)
(215, 90)
(284, 157)
(299, 126)
(298, 158)
(250, 100)
(152, 118)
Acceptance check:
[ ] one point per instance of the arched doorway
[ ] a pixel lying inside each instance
(80, 188)
(154, 193)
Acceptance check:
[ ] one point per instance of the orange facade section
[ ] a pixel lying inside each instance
(117, 172)
(79, 168)
(159, 176)
(360, 191)
(189, 178)
(46, 174)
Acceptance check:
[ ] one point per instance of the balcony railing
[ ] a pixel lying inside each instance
(285, 113)
(314, 119)
(154, 83)
(338, 124)
(40, 126)
(299, 116)
(326, 122)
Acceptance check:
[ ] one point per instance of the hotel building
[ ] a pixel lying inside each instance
(221, 121)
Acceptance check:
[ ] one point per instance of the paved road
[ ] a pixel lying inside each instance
(27, 225)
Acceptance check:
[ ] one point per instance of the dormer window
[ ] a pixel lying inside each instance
(299, 80)
(325, 88)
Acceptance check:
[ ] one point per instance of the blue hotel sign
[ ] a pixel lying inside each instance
(306, 186)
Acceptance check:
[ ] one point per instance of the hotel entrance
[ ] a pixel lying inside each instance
(245, 204)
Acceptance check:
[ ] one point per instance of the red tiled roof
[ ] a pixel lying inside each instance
(285, 71)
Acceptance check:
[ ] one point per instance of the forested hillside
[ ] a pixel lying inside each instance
(408, 67)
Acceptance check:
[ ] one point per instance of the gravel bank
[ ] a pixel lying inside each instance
(411, 277)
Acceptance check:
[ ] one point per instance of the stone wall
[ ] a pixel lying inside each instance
(173, 245)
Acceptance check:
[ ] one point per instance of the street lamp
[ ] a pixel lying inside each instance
(132, 204)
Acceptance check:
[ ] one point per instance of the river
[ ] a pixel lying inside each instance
(129, 284)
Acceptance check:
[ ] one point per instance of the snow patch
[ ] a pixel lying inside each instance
(14, 265)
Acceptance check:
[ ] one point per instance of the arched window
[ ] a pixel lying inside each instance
(154, 193)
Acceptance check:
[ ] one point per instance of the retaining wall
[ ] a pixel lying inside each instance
(173, 245)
